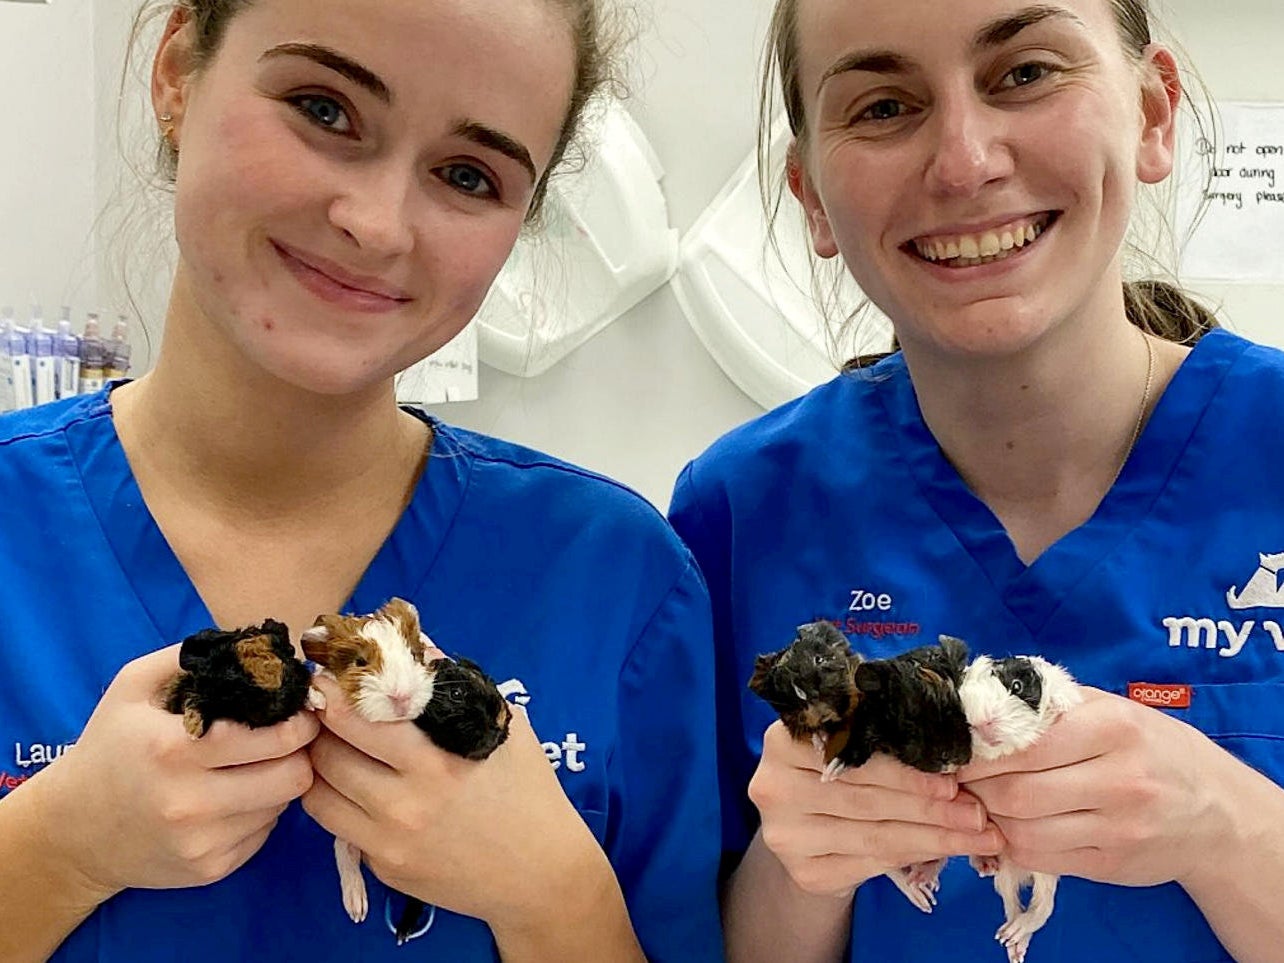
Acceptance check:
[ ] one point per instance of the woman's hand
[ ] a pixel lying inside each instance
(495, 839)
(137, 802)
(1114, 792)
(831, 837)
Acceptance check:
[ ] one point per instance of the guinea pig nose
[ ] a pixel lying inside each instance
(986, 730)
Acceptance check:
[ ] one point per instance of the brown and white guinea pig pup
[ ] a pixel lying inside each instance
(1010, 703)
(379, 661)
(248, 675)
(382, 663)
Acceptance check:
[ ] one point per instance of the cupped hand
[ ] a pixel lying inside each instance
(831, 837)
(496, 839)
(1114, 792)
(137, 803)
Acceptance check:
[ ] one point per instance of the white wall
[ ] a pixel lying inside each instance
(47, 145)
(643, 396)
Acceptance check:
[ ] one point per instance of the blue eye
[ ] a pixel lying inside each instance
(468, 179)
(325, 112)
(1025, 75)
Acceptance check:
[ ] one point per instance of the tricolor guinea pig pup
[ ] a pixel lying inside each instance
(1010, 703)
(246, 675)
(810, 683)
(906, 706)
(382, 663)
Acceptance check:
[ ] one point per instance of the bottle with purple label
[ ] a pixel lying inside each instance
(13, 345)
(40, 344)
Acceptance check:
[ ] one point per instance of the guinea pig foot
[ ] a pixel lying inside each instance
(194, 723)
(1015, 936)
(985, 866)
(1017, 950)
(832, 771)
(818, 741)
(922, 894)
(351, 883)
(316, 698)
(927, 874)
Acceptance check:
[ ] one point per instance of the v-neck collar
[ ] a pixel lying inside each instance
(400, 566)
(1033, 592)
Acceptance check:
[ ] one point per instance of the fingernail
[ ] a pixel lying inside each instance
(970, 818)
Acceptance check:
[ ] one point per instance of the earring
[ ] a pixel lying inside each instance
(167, 132)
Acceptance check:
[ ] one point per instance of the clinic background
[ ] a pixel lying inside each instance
(640, 397)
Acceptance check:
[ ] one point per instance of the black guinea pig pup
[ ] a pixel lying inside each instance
(910, 708)
(810, 683)
(466, 714)
(248, 675)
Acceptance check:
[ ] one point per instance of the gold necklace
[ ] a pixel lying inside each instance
(1145, 403)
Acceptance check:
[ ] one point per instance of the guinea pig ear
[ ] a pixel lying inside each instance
(955, 650)
(318, 642)
(826, 632)
(195, 651)
(404, 615)
(1060, 691)
(868, 678)
(761, 677)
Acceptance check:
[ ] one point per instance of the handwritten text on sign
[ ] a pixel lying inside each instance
(1241, 236)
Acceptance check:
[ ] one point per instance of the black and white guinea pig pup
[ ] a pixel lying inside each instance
(249, 675)
(1010, 703)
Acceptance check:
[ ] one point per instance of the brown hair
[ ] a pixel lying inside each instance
(597, 37)
(1157, 307)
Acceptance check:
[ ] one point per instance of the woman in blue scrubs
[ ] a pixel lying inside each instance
(349, 177)
(1055, 462)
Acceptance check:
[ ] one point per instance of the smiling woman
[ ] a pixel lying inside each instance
(348, 176)
(1040, 468)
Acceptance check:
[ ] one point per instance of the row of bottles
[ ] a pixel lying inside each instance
(42, 365)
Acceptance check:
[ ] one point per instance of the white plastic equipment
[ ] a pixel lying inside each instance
(605, 245)
(753, 308)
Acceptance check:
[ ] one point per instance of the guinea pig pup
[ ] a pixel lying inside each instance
(246, 675)
(810, 683)
(378, 660)
(906, 706)
(1010, 703)
(466, 715)
(381, 662)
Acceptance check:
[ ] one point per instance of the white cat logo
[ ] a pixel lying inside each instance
(1263, 589)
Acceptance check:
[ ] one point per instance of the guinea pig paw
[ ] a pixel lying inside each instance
(818, 742)
(316, 698)
(832, 771)
(922, 895)
(985, 866)
(1015, 936)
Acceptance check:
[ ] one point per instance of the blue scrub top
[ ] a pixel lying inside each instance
(841, 506)
(568, 588)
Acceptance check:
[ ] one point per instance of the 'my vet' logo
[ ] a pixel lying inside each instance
(1207, 634)
(1262, 590)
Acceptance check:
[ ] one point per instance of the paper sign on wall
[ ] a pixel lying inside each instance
(1241, 234)
(448, 374)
